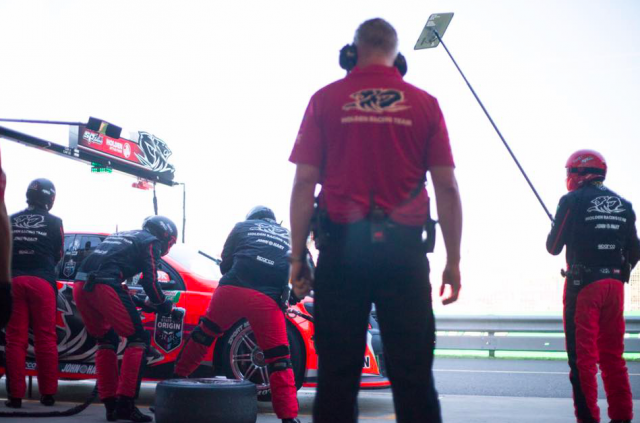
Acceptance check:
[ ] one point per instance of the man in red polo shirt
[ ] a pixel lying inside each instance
(369, 140)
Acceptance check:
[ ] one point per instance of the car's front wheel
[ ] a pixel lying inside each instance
(243, 359)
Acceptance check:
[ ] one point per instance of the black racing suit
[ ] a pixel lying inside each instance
(255, 256)
(598, 228)
(255, 273)
(38, 241)
(108, 310)
(124, 255)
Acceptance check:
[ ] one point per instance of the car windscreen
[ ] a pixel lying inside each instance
(193, 262)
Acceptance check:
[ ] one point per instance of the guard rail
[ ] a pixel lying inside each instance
(514, 333)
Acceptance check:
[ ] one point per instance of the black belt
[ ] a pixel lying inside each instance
(580, 275)
(91, 279)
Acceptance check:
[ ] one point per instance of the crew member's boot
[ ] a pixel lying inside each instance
(110, 405)
(126, 410)
(13, 402)
(290, 421)
(47, 400)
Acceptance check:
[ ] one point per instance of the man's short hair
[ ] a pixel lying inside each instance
(377, 34)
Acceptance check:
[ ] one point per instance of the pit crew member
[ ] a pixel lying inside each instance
(369, 140)
(109, 312)
(255, 273)
(38, 241)
(598, 228)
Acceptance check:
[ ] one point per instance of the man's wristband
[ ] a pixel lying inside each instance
(293, 259)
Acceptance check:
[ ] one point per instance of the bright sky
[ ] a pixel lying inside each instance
(225, 84)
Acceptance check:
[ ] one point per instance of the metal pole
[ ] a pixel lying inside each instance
(495, 127)
(46, 122)
(155, 200)
(184, 209)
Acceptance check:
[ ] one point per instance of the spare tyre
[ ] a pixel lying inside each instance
(214, 400)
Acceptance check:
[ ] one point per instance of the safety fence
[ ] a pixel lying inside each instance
(514, 333)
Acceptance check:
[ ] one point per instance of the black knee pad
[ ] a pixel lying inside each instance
(140, 338)
(212, 326)
(280, 365)
(109, 341)
(279, 351)
(199, 336)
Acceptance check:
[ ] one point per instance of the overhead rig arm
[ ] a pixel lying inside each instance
(81, 155)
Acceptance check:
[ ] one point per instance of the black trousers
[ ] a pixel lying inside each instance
(352, 274)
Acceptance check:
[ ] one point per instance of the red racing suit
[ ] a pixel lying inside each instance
(598, 228)
(255, 273)
(109, 312)
(38, 241)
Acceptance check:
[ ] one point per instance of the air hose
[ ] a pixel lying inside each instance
(63, 413)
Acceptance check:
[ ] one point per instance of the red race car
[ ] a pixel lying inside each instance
(189, 277)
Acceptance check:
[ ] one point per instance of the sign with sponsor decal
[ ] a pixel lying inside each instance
(138, 149)
(168, 332)
(438, 22)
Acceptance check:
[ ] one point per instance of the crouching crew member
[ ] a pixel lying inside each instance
(598, 228)
(255, 272)
(38, 241)
(109, 312)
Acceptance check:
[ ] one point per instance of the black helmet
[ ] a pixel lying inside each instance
(261, 212)
(162, 228)
(41, 192)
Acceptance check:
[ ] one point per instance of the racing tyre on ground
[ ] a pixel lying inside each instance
(215, 400)
(243, 359)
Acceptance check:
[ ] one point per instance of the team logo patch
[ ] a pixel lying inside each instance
(377, 100)
(155, 153)
(606, 204)
(69, 268)
(168, 332)
(29, 221)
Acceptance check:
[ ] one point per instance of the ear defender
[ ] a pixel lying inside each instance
(349, 58)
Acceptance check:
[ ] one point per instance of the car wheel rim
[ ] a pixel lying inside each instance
(247, 360)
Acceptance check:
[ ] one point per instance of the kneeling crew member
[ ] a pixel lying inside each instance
(109, 312)
(38, 241)
(255, 272)
(598, 228)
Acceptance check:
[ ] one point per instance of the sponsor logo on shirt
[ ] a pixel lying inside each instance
(377, 100)
(606, 204)
(606, 247)
(276, 231)
(265, 260)
(29, 221)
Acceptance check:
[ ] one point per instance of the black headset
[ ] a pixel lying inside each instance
(349, 58)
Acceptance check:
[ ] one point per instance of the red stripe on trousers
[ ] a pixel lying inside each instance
(228, 305)
(101, 310)
(34, 305)
(600, 331)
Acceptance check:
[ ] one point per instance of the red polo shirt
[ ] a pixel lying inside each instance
(373, 136)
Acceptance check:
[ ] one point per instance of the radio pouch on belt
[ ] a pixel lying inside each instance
(378, 220)
(319, 222)
(430, 231)
(284, 297)
(626, 268)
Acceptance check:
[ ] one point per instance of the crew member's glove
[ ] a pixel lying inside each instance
(5, 304)
(165, 308)
(293, 300)
(141, 303)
